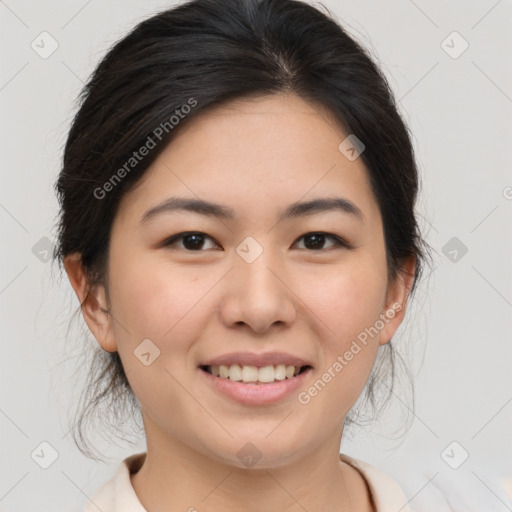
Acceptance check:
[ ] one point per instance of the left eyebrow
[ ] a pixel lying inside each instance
(294, 210)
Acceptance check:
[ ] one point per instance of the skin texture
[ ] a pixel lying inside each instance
(255, 156)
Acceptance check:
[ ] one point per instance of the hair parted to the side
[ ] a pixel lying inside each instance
(215, 51)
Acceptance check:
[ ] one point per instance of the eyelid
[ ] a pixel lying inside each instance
(168, 242)
(339, 241)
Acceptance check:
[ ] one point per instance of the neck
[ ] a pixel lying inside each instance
(176, 477)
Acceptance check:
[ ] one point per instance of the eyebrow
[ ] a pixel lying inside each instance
(222, 212)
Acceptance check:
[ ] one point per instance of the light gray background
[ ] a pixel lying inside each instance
(459, 334)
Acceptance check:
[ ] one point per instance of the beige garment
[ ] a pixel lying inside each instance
(118, 495)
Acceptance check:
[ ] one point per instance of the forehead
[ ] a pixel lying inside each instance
(256, 155)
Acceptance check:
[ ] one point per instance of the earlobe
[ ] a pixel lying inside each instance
(398, 293)
(93, 303)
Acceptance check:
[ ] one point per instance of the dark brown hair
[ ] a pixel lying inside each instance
(213, 51)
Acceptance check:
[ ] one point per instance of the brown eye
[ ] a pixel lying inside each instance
(315, 241)
(192, 240)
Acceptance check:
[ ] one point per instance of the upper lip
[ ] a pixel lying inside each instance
(252, 359)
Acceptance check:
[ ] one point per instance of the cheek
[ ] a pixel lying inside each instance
(161, 306)
(348, 301)
(167, 304)
(155, 299)
(348, 304)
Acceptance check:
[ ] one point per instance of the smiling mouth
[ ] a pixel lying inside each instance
(255, 374)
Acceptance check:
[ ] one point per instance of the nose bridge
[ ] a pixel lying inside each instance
(257, 294)
(257, 265)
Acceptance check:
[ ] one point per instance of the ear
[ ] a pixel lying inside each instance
(396, 301)
(94, 305)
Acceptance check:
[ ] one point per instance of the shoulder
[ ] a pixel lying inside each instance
(386, 493)
(117, 494)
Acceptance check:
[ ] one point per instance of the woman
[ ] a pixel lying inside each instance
(237, 220)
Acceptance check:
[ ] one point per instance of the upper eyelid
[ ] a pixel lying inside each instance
(339, 240)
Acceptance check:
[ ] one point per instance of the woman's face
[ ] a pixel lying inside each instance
(250, 283)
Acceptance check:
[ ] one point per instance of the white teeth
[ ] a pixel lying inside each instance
(266, 374)
(251, 373)
(235, 372)
(280, 372)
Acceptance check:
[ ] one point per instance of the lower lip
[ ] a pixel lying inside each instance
(253, 393)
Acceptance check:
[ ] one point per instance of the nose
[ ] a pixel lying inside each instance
(259, 295)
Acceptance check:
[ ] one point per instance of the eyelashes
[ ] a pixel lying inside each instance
(195, 239)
